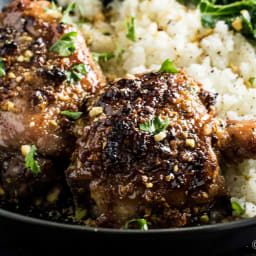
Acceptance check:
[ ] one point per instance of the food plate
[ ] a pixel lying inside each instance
(217, 237)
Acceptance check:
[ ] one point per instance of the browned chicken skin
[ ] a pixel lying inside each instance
(34, 92)
(170, 178)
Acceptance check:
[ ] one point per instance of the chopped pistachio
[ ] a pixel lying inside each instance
(190, 142)
(29, 53)
(169, 177)
(95, 111)
(10, 106)
(176, 168)
(204, 219)
(11, 75)
(205, 195)
(144, 178)
(160, 136)
(149, 185)
(237, 24)
(25, 149)
(53, 195)
(53, 122)
(20, 58)
(2, 192)
(80, 213)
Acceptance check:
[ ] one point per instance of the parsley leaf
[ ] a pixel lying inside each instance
(251, 80)
(30, 161)
(131, 29)
(65, 46)
(102, 56)
(156, 125)
(76, 73)
(72, 115)
(2, 68)
(54, 10)
(233, 13)
(237, 208)
(167, 66)
(141, 222)
(120, 55)
(66, 14)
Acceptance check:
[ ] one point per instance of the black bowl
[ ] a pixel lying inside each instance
(219, 238)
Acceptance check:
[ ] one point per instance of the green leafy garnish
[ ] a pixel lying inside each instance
(232, 13)
(131, 29)
(53, 10)
(66, 14)
(156, 125)
(30, 161)
(237, 208)
(76, 73)
(65, 46)
(141, 222)
(72, 115)
(2, 68)
(120, 55)
(102, 56)
(251, 80)
(167, 66)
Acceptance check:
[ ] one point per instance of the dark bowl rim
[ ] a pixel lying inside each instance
(232, 225)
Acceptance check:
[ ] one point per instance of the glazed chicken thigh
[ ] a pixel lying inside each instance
(150, 149)
(34, 90)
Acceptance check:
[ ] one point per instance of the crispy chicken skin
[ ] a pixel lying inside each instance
(33, 93)
(130, 173)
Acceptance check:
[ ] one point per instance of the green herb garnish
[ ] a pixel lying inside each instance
(156, 125)
(141, 222)
(72, 115)
(30, 161)
(120, 55)
(230, 12)
(167, 66)
(237, 208)
(53, 10)
(66, 14)
(251, 80)
(131, 29)
(76, 73)
(65, 46)
(2, 68)
(102, 56)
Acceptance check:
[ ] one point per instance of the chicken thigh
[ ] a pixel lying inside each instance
(150, 149)
(46, 69)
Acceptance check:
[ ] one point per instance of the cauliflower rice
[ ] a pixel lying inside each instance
(222, 60)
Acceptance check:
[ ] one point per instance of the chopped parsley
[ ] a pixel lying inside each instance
(72, 115)
(120, 55)
(2, 68)
(30, 161)
(66, 14)
(131, 29)
(102, 56)
(240, 15)
(54, 10)
(65, 46)
(251, 80)
(167, 66)
(76, 73)
(142, 223)
(237, 208)
(156, 125)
